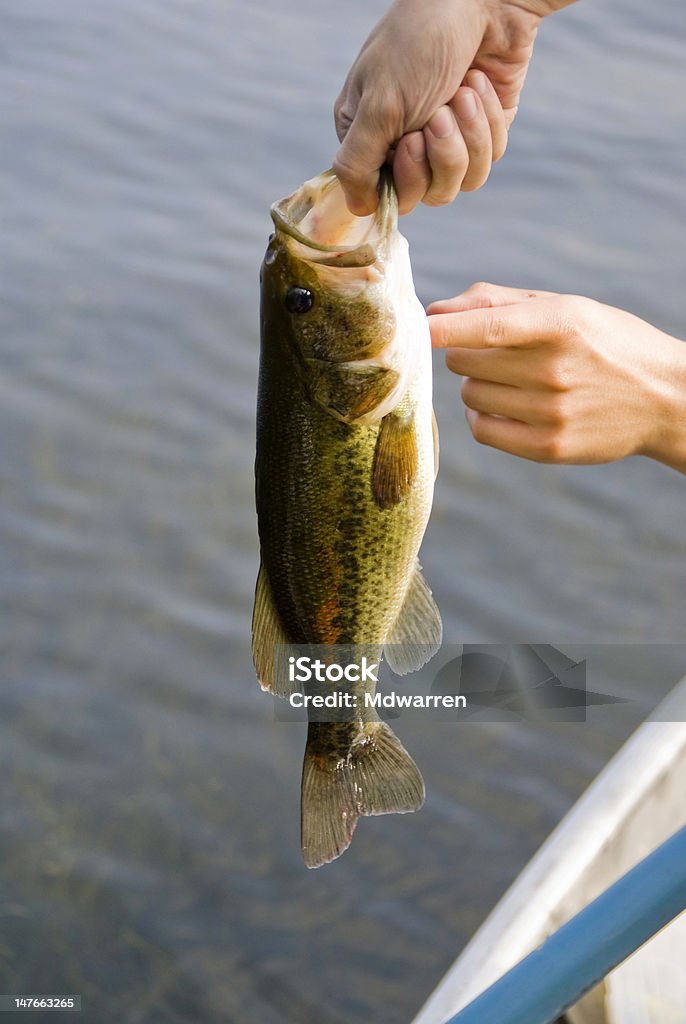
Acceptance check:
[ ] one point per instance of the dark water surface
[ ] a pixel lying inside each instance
(149, 810)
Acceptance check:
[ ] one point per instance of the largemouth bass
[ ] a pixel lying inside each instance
(346, 458)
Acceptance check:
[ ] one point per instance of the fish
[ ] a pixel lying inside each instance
(347, 454)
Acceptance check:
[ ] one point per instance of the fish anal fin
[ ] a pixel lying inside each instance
(268, 634)
(418, 630)
(396, 458)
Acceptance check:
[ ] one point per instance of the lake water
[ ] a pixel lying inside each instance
(149, 812)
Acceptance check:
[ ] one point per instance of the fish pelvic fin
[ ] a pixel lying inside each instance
(417, 632)
(377, 776)
(267, 634)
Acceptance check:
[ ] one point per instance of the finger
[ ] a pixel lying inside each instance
(361, 154)
(510, 114)
(481, 329)
(411, 171)
(520, 325)
(482, 296)
(476, 132)
(344, 112)
(508, 435)
(447, 155)
(495, 114)
(503, 400)
(500, 366)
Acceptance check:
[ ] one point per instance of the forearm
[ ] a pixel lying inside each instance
(540, 7)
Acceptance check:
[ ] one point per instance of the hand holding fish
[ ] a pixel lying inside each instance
(564, 379)
(434, 90)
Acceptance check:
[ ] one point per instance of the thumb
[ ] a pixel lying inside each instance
(357, 162)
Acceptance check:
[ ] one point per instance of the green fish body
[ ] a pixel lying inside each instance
(346, 460)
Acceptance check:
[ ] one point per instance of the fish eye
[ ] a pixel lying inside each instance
(299, 300)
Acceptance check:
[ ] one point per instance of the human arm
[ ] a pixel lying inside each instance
(564, 379)
(411, 84)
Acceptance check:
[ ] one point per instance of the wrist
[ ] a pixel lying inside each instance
(667, 442)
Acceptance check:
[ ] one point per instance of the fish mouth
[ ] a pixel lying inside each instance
(317, 217)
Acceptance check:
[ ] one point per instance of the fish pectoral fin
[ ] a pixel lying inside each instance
(396, 458)
(418, 630)
(434, 429)
(349, 390)
(267, 633)
(378, 776)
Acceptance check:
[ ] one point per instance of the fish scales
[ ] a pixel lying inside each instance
(338, 568)
(344, 483)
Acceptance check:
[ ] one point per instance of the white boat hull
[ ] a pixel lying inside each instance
(637, 802)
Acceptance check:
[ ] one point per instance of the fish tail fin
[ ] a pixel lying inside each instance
(328, 807)
(386, 779)
(377, 776)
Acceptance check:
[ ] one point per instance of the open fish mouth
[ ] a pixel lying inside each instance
(317, 217)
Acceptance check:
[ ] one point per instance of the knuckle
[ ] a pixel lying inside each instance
(495, 331)
(484, 293)
(448, 157)
(385, 109)
(556, 410)
(453, 164)
(552, 447)
(440, 199)
(569, 317)
(554, 377)
(475, 179)
(342, 119)
(480, 286)
(562, 324)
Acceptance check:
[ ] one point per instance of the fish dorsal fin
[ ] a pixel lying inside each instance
(267, 633)
(418, 630)
(396, 458)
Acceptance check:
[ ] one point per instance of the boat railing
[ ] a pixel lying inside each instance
(577, 957)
